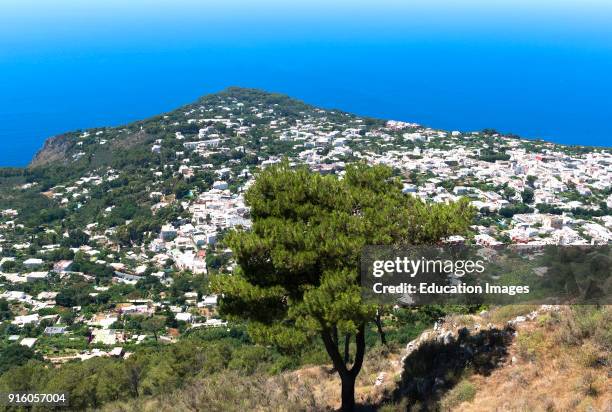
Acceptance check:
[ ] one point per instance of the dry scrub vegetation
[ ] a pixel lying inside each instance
(560, 360)
(313, 388)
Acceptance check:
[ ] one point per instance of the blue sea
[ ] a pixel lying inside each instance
(538, 68)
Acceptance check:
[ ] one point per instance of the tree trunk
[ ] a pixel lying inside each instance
(360, 346)
(347, 348)
(348, 392)
(347, 376)
(381, 332)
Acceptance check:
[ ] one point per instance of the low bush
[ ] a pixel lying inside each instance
(463, 392)
(530, 344)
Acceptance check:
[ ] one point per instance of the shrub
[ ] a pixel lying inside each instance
(586, 385)
(465, 391)
(589, 356)
(397, 406)
(549, 320)
(530, 344)
(603, 333)
(586, 322)
(248, 359)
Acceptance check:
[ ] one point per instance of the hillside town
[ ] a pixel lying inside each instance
(100, 279)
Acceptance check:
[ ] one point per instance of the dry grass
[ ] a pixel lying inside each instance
(559, 361)
(503, 314)
(562, 364)
(313, 388)
(460, 321)
(232, 393)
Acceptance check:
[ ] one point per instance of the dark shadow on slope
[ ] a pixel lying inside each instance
(436, 366)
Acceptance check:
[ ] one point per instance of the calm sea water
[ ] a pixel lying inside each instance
(538, 68)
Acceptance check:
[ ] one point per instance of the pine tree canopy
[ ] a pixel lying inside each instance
(298, 267)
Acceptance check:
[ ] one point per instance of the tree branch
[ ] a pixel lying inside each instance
(360, 345)
(332, 350)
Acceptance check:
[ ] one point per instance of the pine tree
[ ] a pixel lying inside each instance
(298, 267)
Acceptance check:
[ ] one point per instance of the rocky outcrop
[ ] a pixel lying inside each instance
(54, 150)
(438, 359)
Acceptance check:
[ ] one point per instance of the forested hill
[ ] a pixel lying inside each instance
(241, 128)
(93, 146)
